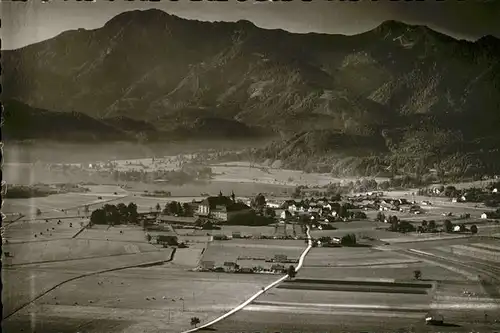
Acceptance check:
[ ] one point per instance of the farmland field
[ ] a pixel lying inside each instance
(244, 172)
(262, 318)
(25, 230)
(53, 204)
(22, 284)
(222, 251)
(35, 252)
(120, 233)
(152, 299)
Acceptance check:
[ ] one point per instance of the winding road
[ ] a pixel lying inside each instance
(256, 295)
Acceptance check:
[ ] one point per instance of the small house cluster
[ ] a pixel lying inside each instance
(275, 265)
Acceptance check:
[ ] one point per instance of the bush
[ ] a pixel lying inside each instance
(380, 217)
(250, 219)
(195, 321)
(291, 271)
(473, 229)
(359, 215)
(448, 226)
(348, 240)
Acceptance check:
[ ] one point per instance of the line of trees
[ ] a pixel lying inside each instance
(24, 192)
(115, 214)
(176, 208)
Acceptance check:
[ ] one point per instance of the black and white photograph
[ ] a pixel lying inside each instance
(250, 166)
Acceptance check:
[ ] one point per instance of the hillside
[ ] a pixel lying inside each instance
(188, 77)
(23, 122)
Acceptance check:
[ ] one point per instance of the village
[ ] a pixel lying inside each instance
(221, 218)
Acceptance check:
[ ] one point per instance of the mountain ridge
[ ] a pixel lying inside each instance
(171, 72)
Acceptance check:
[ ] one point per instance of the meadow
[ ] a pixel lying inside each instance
(69, 249)
(222, 251)
(60, 205)
(152, 299)
(261, 173)
(24, 283)
(26, 230)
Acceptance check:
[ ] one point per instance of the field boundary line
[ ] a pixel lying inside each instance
(256, 295)
(8, 223)
(75, 259)
(469, 275)
(157, 262)
(97, 203)
(415, 261)
(81, 230)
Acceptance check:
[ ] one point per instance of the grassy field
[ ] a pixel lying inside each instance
(120, 233)
(140, 300)
(70, 249)
(222, 251)
(400, 272)
(345, 298)
(25, 231)
(22, 284)
(53, 205)
(369, 264)
(244, 172)
(311, 320)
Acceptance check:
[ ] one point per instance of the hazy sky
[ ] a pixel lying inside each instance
(27, 23)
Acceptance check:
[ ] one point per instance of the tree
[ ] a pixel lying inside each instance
(348, 240)
(158, 207)
(86, 209)
(450, 191)
(132, 212)
(259, 201)
(112, 214)
(291, 271)
(417, 274)
(473, 229)
(358, 215)
(195, 321)
(393, 220)
(432, 225)
(384, 185)
(123, 211)
(424, 225)
(180, 211)
(380, 217)
(296, 192)
(98, 216)
(448, 226)
(270, 212)
(38, 212)
(343, 212)
(187, 209)
(173, 208)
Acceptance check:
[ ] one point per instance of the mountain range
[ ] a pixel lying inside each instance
(166, 77)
